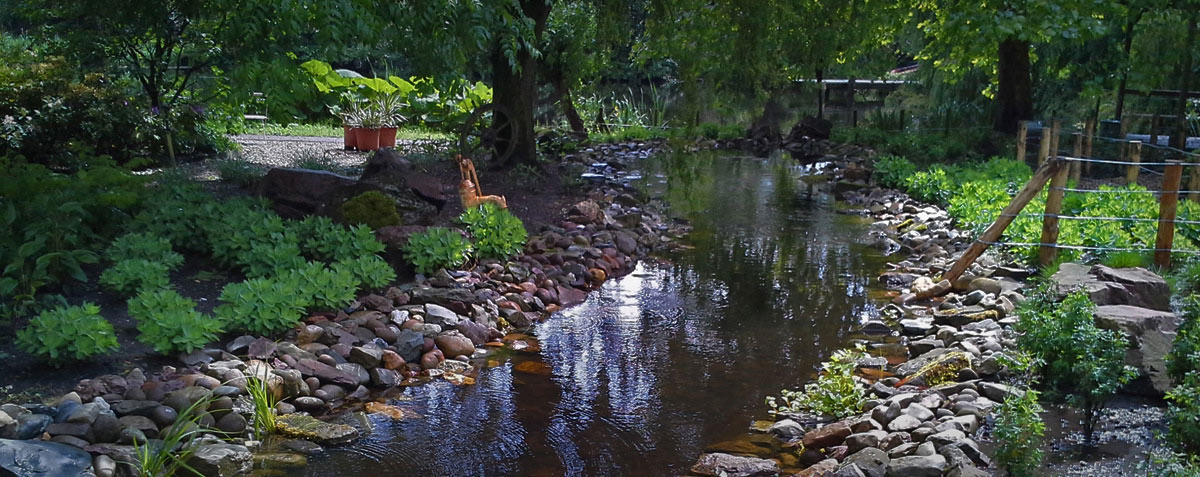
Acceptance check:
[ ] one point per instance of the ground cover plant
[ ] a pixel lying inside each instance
(495, 232)
(974, 195)
(836, 392)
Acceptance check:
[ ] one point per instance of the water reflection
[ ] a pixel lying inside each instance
(658, 364)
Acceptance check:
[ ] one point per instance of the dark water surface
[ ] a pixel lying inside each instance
(658, 364)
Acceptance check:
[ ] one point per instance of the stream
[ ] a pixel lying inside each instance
(659, 364)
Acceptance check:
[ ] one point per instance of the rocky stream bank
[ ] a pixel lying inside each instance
(936, 369)
(335, 366)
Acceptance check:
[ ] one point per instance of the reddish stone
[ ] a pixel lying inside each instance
(391, 360)
(827, 436)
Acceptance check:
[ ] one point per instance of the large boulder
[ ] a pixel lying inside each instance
(38, 458)
(725, 465)
(296, 193)
(1150, 334)
(1115, 286)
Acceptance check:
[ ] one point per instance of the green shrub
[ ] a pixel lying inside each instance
(262, 305)
(319, 286)
(322, 239)
(70, 333)
(1018, 434)
(169, 323)
(182, 214)
(835, 393)
(1184, 357)
(370, 271)
(976, 204)
(371, 208)
(51, 223)
(1081, 362)
(893, 171)
(241, 173)
(267, 258)
(1183, 411)
(497, 233)
(931, 186)
(129, 277)
(143, 246)
(1164, 463)
(435, 248)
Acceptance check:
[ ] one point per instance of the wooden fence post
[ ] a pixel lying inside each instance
(1077, 151)
(1048, 251)
(994, 231)
(1055, 130)
(1022, 136)
(1166, 214)
(1089, 129)
(1134, 160)
(1151, 153)
(1044, 144)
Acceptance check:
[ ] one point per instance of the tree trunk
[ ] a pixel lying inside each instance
(562, 91)
(1179, 139)
(1014, 97)
(516, 91)
(1126, 47)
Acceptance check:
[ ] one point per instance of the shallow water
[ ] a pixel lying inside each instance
(661, 363)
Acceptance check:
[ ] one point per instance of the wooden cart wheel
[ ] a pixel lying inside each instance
(491, 132)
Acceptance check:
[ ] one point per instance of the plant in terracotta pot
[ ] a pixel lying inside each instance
(351, 116)
(367, 134)
(388, 107)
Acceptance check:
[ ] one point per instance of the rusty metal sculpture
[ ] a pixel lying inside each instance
(469, 190)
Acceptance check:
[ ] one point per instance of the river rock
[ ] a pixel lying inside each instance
(368, 356)
(441, 316)
(232, 423)
(303, 426)
(726, 465)
(786, 429)
(820, 469)
(30, 426)
(862, 440)
(36, 458)
(454, 345)
(409, 345)
(873, 462)
(903, 423)
(221, 460)
(917, 466)
(827, 436)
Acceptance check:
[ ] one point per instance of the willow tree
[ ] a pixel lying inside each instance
(760, 47)
(1001, 37)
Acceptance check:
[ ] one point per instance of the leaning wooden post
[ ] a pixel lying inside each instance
(994, 231)
(1022, 136)
(1077, 151)
(1134, 160)
(1166, 214)
(1048, 250)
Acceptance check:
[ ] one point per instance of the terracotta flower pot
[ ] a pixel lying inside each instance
(368, 139)
(349, 138)
(387, 137)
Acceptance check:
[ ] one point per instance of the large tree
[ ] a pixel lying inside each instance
(1001, 37)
